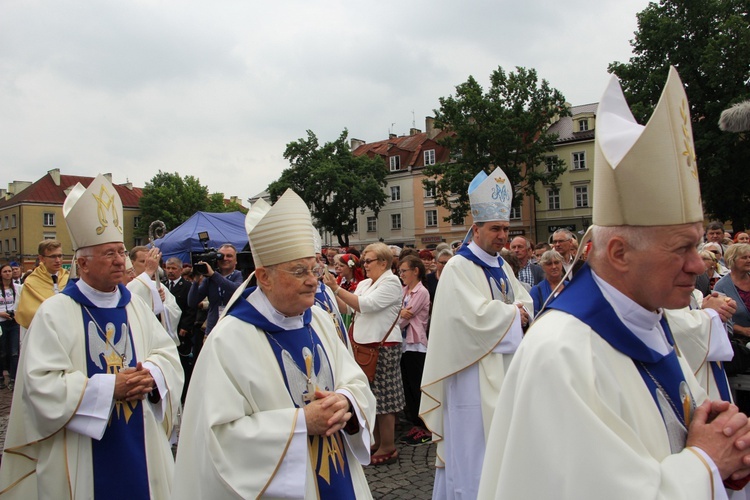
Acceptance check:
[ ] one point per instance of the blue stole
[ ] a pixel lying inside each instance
(121, 453)
(324, 302)
(496, 278)
(663, 375)
(295, 353)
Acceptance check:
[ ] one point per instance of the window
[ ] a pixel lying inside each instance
(431, 218)
(550, 162)
(7, 224)
(515, 212)
(579, 160)
(1, 246)
(13, 220)
(429, 157)
(583, 125)
(136, 221)
(7, 245)
(49, 236)
(49, 219)
(553, 199)
(355, 226)
(395, 162)
(429, 191)
(372, 224)
(395, 193)
(582, 196)
(395, 221)
(13, 247)
(137, 242)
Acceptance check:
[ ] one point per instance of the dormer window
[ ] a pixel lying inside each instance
(583, 125)
(395, 162)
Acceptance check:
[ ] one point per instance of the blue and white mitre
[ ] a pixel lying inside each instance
(490, 196)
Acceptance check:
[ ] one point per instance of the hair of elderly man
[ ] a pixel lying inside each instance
(735, 252)
(637, 237)
(550, 256)
(447, 252)
(381, 251)
(528, 243)
(85, 252)
(174, 260)
(228, 245)
(566, 232)
(441, 246)
(714, 225)
(46, 245)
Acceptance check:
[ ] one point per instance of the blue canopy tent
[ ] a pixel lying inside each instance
(222, 228)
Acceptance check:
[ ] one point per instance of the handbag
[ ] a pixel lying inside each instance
(366, 355)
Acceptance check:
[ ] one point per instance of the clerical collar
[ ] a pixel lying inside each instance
(261, 303)
(643, 323)
(104, 300)
(490, 260)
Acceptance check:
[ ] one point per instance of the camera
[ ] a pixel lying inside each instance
(209, 255)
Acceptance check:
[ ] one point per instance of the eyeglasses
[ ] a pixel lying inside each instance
(301, 272)
(369, 261)
(54, 257)
(402, 271)
(557, 242)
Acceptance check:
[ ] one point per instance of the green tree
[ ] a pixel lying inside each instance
(708, 41)
(504, 127)
(173, 200)
(333, 182)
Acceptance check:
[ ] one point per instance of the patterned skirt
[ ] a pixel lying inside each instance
(388, 387)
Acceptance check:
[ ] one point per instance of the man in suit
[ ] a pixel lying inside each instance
(180, 288)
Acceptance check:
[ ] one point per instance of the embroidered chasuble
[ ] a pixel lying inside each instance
(496, 277)
(661, 374)
(121, 451)
(305, 367)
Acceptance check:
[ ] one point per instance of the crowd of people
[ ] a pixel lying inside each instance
(561, 369)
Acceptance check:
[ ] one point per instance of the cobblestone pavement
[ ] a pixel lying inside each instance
(411, 477)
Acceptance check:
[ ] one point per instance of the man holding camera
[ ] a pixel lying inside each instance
(218, 285)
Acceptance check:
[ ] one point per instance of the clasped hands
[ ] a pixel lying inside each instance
(132, 384)
(723, 433)
(327, 414)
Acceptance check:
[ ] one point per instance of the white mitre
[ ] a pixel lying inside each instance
(317, 241)
(645, 176)
(93, 214)
(490, 196)
(280, 233)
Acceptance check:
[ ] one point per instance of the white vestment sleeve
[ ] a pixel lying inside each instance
(161, 384)
(155, 299)
(289, 481)
(719, 347)
(93, 413)
(512, 339)
(359, 446)
(719, 493)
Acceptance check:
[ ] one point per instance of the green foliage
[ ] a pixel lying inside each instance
(708, 41)
(173, 200)
(333, 182)
(504, 127)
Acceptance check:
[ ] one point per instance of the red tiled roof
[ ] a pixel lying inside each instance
(411, 145)
(46, 191)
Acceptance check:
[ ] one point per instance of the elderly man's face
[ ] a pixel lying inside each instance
(173, 271)
(16, 272)
(288, 294)
(518, 247)
(663, 275)
(105, 268)
(562, 244)
(715, 235)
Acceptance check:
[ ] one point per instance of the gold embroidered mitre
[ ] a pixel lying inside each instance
(93, 214)
(645, 176)
(280, 233)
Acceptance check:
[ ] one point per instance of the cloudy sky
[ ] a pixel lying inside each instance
(217, 89)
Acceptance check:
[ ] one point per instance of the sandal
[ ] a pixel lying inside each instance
(384, 459)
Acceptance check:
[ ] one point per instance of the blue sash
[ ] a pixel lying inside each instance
(301, 355)
(323, 300)
(119, 458)
(583, 299)
(497, 280)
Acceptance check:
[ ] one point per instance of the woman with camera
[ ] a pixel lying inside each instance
(9, 294)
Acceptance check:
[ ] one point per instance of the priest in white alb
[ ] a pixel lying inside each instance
(478, 317)
(598, 403)
(99, 380)
(277, 408)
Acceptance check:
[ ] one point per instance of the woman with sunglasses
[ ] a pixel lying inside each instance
(9, 293)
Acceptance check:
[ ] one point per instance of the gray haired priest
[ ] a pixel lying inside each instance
(99, 380)
(598, 401)
(277, 407)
